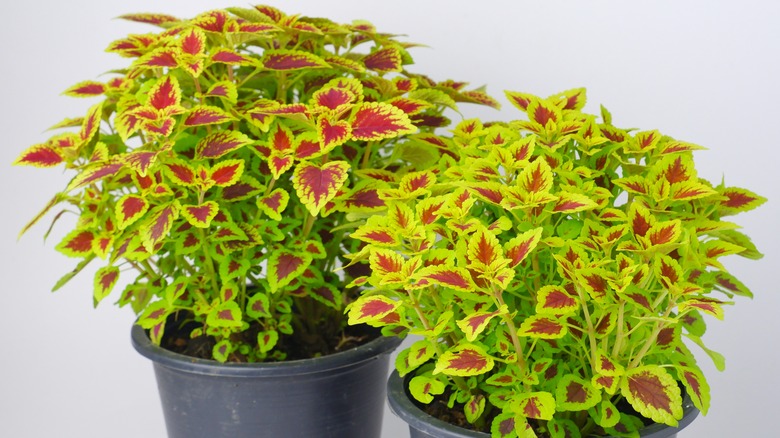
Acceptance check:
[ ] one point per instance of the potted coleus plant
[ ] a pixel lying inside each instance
(557, 269)
(213, 179)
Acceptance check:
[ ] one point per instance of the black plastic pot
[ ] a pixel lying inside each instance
(340, 395)
(422, 425)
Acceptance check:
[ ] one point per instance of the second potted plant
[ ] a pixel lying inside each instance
(213, 178)
(552, 267)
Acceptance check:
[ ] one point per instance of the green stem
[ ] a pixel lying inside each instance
(209, 263)
(591, 329)
(367, 155)
(520, 358)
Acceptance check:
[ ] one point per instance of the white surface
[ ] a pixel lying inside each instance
(701, 71)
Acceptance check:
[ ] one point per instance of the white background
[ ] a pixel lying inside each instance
(702, 71)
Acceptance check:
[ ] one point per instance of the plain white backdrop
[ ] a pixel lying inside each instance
(701, 71)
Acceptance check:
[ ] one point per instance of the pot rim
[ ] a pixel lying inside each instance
(160, 356)
(402, 406)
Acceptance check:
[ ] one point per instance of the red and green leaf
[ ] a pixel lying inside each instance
(370, 309)
(555, 300)
(284, 267)
(206, 115)
(78, 243)
(576, 394)
(738, 200)
(274, 203)
(40, 155)
(200, 215)
(129, 209)
(474, 324)
(539, 405)
(465, 360)
(518, 248)
(105, 280)
(378, 121)
(91, 123)
(445, 276)
(654, 393)
(226, 172)
(696, 387)
(157, 226)
(332, 134)
(387, 59)
(542, 327)
(86, 89)
(317, 185)
(226, 315)
(220, 143)
(424, 388)
(286, 60)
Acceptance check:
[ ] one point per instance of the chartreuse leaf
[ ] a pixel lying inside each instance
(518, 248)
(220, 143)
(200, 215)
(377, 121)
(423, 388)
(105, 280)
(78, 243)
(464, 360)
(475, 323)
(266, 340)
(696, 387)
(539, 405)
(607, 414)
(446, 276)
(654, 393)
(274, 203)
(474, 407)
(284, 266)
(222, 350)
(286, 60)
(575, 394)
(414, 356)
(717, 359)
(563, 428)
(226, 172)
(542, 327)
(227, 315)
(737, 200)
(371, 308)
(158, 225)
(318, 184)
(554, 300)
(40, 155)
(258, 306)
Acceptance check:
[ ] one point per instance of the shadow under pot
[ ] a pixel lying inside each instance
(422, 425)
(340, 395)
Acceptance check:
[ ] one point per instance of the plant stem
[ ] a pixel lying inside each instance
(520, 358)
(591, 329)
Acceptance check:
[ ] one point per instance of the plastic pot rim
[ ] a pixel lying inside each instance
(366, 352)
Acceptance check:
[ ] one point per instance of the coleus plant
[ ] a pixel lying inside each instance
(553, 268)
(215, 172)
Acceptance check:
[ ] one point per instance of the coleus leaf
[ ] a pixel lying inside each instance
(274, 203)
(575, 394)
(220, 143)
(279, 164)
(226, 172)
(181, 173)
(445, 276)
(77, 243)
(333, 98)
(258, 306)
(105, 280)
(200, 216)
(129, 209)
(286, 60)
(518, 248)
(474, 407)
(708, 306)
(464, 360)
(149, 18)
(378, 121)
(223, 89)
(206, 115)
(231, 57)
(572, 203)
(386, 59)
(475, 323)
(542, 327)
(267, 340)
(317, 185)
(40, 155)
(328, 295)
(371, 309)
(91, 123)
(738, 200)
(539, 405)
(696, 387)
(417, 354)
(484, 252)
(376, 235)
(157, 226)
(227, 315)
(654, 393)
(165, 94)
(536, 178)
(423, 388)
(86, 89)
(284, 267)
(554, 300)
(192, 42)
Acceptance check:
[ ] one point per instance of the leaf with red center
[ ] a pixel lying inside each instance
(78, 243)
(429, 209)
(571, 99)
(645, 141)
(231, 57)
(696, 387)
(384, 60)
(378, 121)
(274, 203)
(380, 236)
(307, 146)
(518, 248)
(519, 100)
(636, 184)
(595, 281)
(575, 394)
(91, 123)
(478, 97)
(544, 112)
(165, 93)
(542, 327)
(200, 215)
(150, 18)
(86, 89)
(409, 106)
(159, 58)
(206, 115)
(385, 263)
(677, 169)
(281, 139)
(674, 146)
(475, 323)
(654, 393)
(226, 172)
(417, 354)
(445, 276)
(220, 143)
(424, 388)
(710, 307)
(729, 284)
(489, 192)
(370, 308)
(539, 405)
(668, 271)
(691, 190)
(39, 156)
(333, 98)
(554, 300)
(572, 203)
(285, 266)
(362, 199)
(417, 182)
(158, 225)
(279, 164)
(286, 60)
(227, 315)
(140, 161)
(328, 295)
(484, 252)
(181, 173)
(94, 173)
(606, 366)
(536, 178)
(224, 89)
(129, 209)
(474, 407)
(464, 360)
(640, 219)
(739, 200)
(258, 307)
(193, 42)
(105, 279)
(316, 185)
(664, 233)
